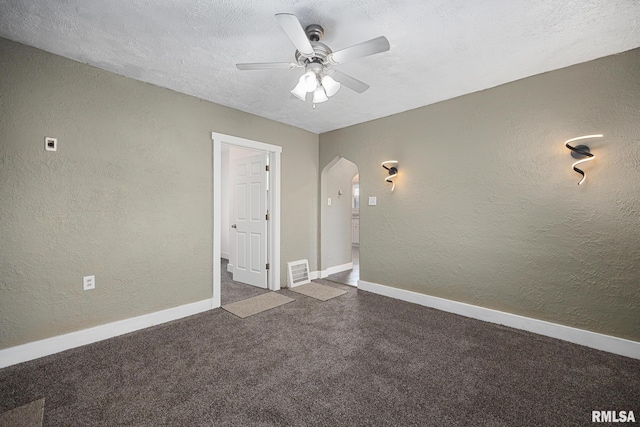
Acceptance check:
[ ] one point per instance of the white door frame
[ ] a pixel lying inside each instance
(273, 226)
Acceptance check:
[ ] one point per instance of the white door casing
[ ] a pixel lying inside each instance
(273, 228)
(249, 220)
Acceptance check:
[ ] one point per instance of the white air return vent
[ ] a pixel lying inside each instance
(298, 273)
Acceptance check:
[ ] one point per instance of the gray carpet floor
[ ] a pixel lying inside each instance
(359, 359)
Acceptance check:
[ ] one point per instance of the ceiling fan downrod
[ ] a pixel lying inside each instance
(314, 32)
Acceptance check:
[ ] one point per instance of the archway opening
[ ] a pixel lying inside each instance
(340, 222)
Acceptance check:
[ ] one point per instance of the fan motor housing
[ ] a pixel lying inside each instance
(314, 33)
(320, 53)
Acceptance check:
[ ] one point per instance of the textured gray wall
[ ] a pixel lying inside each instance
(487, 210)
(127, 196)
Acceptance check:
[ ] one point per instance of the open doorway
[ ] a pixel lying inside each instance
(266, 261)
(351, 277)
(340, 222)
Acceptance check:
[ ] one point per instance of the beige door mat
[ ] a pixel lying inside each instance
(255, 305)
(29, 415)
(318, 291)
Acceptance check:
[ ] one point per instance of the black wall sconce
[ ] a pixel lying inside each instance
(580, 152)
(392, 167)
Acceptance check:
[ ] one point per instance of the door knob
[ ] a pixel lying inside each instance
(234, 226)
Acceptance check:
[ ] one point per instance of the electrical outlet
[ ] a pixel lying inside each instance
(89, 282)
(50, 144)
(373, 200)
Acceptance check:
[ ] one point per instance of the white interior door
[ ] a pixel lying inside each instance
(249, 220)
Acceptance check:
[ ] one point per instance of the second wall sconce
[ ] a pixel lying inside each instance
(580, 152)
(392, 167)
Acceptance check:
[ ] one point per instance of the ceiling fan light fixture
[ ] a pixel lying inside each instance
(319, 95)
(331, 86)
(300, 91)
(309, 80)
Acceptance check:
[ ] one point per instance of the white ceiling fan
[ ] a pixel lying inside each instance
(320, 78)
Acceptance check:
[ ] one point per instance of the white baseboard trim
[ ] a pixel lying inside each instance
(45, 347)
(230, 268)
(224, 255)
(321, 274)
(336, 269)
(595, 340)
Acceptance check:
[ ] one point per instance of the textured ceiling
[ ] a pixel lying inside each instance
(440, 49)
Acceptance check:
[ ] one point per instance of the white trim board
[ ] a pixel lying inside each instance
(583, 337)
(321, 274)
(48, 346)
(336, 269)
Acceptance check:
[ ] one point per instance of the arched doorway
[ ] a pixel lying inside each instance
(339, 221)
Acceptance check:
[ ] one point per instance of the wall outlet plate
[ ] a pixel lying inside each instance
(89, 282)
(373, 201)
(50, 144)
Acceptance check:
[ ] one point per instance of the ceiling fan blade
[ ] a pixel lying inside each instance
(371, 47)
(350, 82)
(295, 32)
(266, 65)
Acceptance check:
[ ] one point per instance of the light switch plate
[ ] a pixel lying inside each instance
(328, 201)
(50, 144)
(373, 200)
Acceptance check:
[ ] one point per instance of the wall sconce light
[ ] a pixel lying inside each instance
(393, 171)
(580, 152)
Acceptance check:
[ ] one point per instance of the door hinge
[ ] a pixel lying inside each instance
(267, 216)
(267, 266)
(267, 168)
